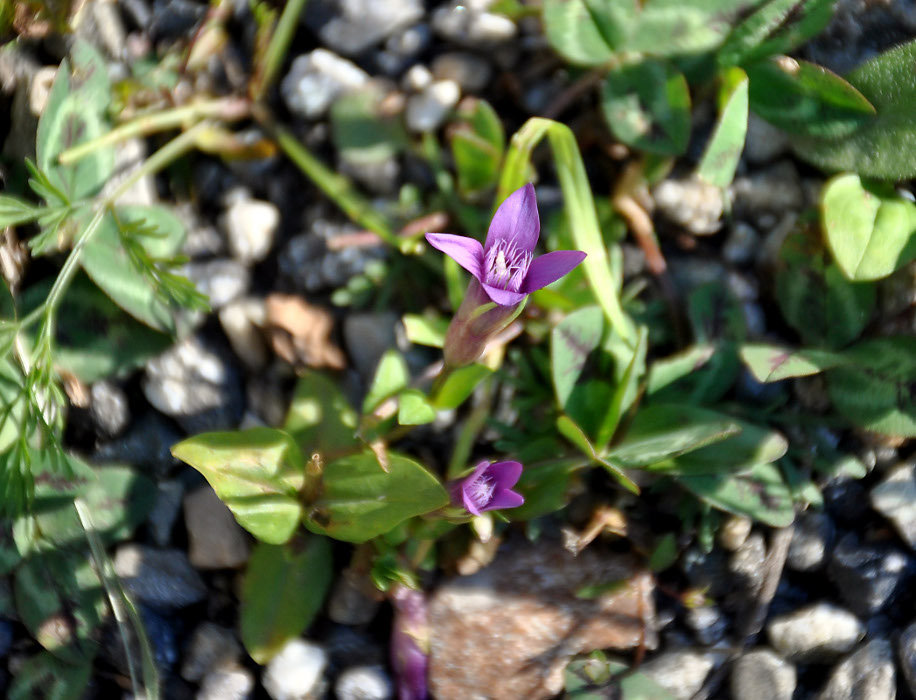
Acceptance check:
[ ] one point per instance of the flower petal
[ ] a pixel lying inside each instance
(506, 474)
(505, 499)
(465, 251)
(503, 297)
(516, 220)
(550, 267)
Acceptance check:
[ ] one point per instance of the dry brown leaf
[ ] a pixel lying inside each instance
(301, 333)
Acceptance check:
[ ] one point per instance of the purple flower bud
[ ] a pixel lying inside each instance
(505, 272)
(409, 643)
(488, 487)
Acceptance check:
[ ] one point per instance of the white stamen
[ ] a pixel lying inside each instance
(481, 490)
(507, 265)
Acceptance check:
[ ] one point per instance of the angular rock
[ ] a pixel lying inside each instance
(707, 622)
(906, 650)
(868, 674)
(691, 203)
(216, 540)
(212, 646)
(147, 444)
(232, 682)
(367, 336)
(816, 633)
(162, 578)
(811, 541)
(427, 110)
(508, 630)
(250, 226)
(682, 672)
(162, 517)
(296, 672)
(318, 78)
(762, 675)
(364, 683)
(351, 602)
(357, 25)
(222, 281)
(470, 71)
(869, 576)
(895, 499)
(108, 408)
(766, 195)
(468, 23)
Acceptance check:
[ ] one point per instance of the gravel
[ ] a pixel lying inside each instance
(868, 674)
(162, 578)
(761, 674)
(296, 672)
(815, 633)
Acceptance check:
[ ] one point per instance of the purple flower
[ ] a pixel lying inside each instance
(505, 271)
(505, 265)
(488, 487)
(409, 643)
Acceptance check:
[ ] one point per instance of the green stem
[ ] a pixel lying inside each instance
(279, 45)
(469, 431)
(337, 187)
(225, 109)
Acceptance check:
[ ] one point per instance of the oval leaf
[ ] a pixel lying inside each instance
(869, 228)
(761, 494)
(359, 501)
(257, 473)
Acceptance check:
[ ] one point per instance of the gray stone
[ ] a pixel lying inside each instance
(108, 408)
(707, 622)
(363, 683)
(468, 23)
(222, 281)
(402, 48)
(162, 578)
(523, 609)
(895, 499)
(815, 633)
(691, 203)
(811, 541)
(250, 226)
(162, 517)
(762, 675)
(766, 195)
(417, 79)
(869, 576)
(764, 142)
(296, 672)
(216, 540)
(147, 444)
(357, 25)
(350, 602)
(211, 646)
(742, 244)
(470, 71)
(193, 384)
(746, 566)
(867, 674)
(231, 682)
(367, 336)
(906, 650)
(241, 321)
(681, 672)
(318, 78)
(427, 110)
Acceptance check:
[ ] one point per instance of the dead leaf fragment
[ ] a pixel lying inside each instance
(301, 333)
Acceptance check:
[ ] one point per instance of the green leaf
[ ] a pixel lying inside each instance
(574, 33)
(320, 419)
(571, 342)
(257, 473)
(478, 143)
(106, 261)
(359, 501)
(74, 115)
(772, 363)
(15, 211)
(664, 554)
(422, 330)
(752, 446)
(717, 167)
(883, 148)
(805, 99)
(59, 599)
(459, 385)
(777, 26)
(544, 487)
(625, 393)
(761, 494)
(391, 376)
(681, 27)
(663, 431)
(283, 590)
(414, 408)
(869, 228)
(647, 106)
(639, 686)
(95, 338)
(876, 386)
(669, 370)
(816, 299)
(48, 677)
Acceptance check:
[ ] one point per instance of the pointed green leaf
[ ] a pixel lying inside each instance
(772, 363)
(257, 473)
(320, 419)
(459, 385)
(571, 342)
(359, 500)
(391, 376)
(723, 151)
(761, 494)
(414, 408)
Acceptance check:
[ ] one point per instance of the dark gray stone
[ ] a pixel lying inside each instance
(761, 674)
(867, 674)
(811, 541)
(869, 576)
(162, 578)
